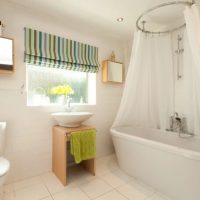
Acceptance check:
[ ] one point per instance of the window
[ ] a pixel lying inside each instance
(42, 79)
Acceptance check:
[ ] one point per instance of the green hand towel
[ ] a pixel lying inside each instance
(83, 145)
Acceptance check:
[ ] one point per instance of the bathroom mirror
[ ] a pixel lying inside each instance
(112, 71)
(6, 55)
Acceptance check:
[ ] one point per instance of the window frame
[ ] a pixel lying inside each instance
(91, 92)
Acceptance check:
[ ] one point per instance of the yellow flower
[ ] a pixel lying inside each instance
(67, 89)
(61, 90)
(53, 91)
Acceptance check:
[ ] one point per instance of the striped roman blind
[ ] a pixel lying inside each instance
(49, 50)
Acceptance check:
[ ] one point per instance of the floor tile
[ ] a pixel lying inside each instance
(116, 178)
(27, 182)
(8, 196)
(71, 193)
(52, 183)
(78, 176)
(111, 183)
(106, 164)
(8, 188)
(34, 192)
(47, 198)
(135, 190)
(113, 195)
(95, 188)
(158, 196)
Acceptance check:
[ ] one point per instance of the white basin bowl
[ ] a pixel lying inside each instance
(71, 119)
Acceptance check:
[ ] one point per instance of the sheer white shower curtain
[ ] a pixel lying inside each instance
(149, 91)
(192, 69)
(148, 94)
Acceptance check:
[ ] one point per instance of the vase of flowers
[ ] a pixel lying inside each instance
(60, 93)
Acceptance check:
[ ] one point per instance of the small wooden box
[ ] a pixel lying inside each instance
(112, 72)
(6, 55)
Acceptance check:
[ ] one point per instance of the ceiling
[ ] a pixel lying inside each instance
(100, 15)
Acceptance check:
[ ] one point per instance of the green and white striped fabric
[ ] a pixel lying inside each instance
(48, 50)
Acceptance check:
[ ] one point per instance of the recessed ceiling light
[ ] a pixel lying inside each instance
(120, 19)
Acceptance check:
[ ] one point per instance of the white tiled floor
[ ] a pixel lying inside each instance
(110, 183)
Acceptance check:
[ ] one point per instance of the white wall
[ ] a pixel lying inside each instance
(29, 128)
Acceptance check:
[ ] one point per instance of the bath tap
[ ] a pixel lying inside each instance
(177, 124)
(178, 127)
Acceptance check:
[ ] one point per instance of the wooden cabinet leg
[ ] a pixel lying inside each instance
(59, 155)
(89, 165)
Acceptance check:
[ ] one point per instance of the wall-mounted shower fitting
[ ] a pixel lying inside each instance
(179, 52)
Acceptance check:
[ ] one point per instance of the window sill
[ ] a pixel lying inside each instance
(58, 105)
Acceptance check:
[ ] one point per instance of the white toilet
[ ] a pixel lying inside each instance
(4, 163)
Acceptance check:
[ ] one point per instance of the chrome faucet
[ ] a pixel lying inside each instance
(177, 124)
(67, 105)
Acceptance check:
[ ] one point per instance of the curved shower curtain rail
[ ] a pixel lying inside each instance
(187, 3)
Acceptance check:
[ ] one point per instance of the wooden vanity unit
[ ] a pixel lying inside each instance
(61, 137)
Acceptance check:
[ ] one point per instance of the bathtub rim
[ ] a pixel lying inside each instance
(190, 154)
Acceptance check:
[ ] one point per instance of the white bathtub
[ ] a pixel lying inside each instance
(161, 159)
